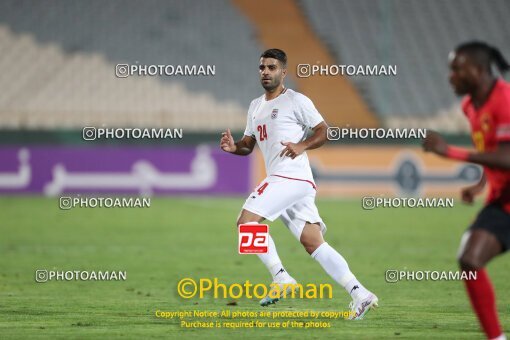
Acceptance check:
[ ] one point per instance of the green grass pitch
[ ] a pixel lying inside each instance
(196, 237)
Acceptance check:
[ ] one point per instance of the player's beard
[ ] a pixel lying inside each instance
(272, 85)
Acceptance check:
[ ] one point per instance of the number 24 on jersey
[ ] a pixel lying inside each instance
(262, 132)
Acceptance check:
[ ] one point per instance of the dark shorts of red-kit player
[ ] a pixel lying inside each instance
(495, 220)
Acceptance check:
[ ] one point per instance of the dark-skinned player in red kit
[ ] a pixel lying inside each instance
(486, 104)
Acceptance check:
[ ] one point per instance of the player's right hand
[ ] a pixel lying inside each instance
(469, 193)
(227, 142)
(435, 143)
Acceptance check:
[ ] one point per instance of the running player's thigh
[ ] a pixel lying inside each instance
(478, 246)
(488, 236)
(303, 213)
(274, 195)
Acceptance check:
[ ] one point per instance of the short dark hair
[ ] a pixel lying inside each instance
(277, 54)
(484, 55)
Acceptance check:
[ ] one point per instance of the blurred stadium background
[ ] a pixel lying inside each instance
(58, 60)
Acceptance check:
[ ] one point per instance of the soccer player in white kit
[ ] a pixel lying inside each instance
(279, 122)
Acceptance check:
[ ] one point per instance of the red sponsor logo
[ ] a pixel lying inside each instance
(253, 238)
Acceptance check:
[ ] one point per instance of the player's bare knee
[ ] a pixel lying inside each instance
(469, 261)
(247, 217)
(311, 237)
(309, 248)
(240, 220)
(310, 245)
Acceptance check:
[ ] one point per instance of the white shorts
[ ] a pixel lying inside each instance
(291, 200)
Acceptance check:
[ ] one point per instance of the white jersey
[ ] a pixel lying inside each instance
(287, 118)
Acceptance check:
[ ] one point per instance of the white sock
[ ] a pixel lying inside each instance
(273, 262)
(335, 265)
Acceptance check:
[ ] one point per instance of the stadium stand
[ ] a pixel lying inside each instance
(335, 97)
(60, 65)
(58, 61)
(415, 35)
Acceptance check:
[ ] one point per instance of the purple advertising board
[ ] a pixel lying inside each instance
(55, 170)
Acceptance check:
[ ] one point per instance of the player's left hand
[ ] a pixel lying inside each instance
(435, 143)
(292, 150)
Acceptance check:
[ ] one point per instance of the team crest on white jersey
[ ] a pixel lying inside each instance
(274, 114)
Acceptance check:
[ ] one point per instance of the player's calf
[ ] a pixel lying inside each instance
(335, 265)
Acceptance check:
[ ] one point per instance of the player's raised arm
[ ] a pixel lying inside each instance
(242, 147)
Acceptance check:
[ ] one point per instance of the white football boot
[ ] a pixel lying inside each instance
(279, 289)
(360, 307)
